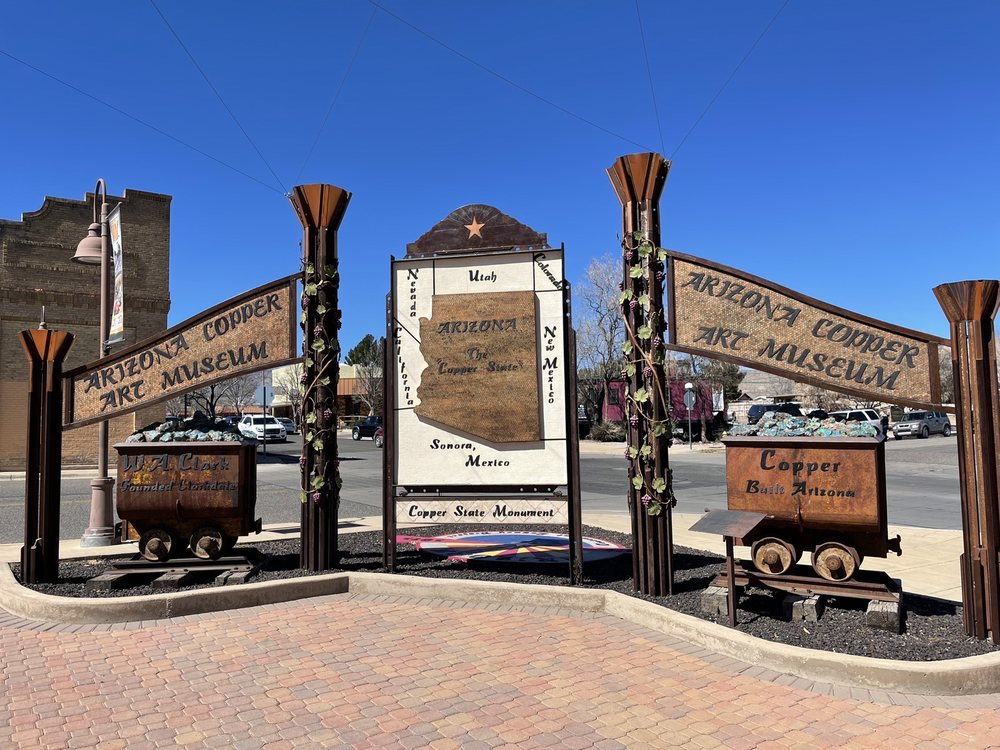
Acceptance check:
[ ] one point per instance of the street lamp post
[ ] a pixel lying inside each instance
(93, 249)
(689, 399)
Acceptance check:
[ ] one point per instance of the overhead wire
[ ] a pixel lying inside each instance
(336, 96)
(730, 78)
(218, 96)
(649, 74)
(142, 122)
(505, 79)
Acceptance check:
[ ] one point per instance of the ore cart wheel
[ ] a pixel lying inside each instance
(156, 544)
(207, 543)
(773, 556)
(835, 561)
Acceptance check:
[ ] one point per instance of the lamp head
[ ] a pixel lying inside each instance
(90, 250)
(687, 386)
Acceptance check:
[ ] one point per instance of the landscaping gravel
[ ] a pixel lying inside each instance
(933, 627)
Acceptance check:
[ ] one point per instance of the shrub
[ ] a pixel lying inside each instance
(607, 432)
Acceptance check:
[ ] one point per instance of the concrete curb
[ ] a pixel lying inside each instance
(33, 605)
(968, 676)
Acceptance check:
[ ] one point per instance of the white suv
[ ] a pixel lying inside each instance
(861, 415)
(262, 428)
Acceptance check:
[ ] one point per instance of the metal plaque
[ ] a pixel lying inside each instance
(479, 511)
(819, 482)
(180, 485)
(251, 332)
(727, 314)
(482, 370)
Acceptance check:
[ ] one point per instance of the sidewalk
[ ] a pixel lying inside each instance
(363, 671)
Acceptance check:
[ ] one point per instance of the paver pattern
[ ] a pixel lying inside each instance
(363, 672)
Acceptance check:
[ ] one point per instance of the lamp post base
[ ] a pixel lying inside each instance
(101, 532)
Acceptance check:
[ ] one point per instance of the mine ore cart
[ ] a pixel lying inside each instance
(197, 494)
(824, 495)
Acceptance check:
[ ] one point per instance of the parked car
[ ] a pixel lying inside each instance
(379, 437)
(870, 416)
(267, 429)
(290, 427)
(818, 414)
(759, 410)
(366, 427)
(232, 421)
(921, 424)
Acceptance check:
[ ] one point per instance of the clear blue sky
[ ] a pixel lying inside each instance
(854, 156)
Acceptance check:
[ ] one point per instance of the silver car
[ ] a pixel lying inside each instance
(921, 424)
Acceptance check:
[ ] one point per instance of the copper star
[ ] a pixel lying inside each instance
(474, 228)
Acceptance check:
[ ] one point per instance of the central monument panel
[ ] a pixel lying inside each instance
(482, 369)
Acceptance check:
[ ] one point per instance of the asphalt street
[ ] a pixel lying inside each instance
(922, 485)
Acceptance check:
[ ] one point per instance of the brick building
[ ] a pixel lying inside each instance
(36, 269)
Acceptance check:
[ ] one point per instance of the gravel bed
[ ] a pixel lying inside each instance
(933, 628)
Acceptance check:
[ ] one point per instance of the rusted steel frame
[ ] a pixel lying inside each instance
(971, 308)
(31, 550)
(573, 445)
(320, 209)
(638, 181)
(391, 444)
(731, 581)
(871, 585)
(51, 468)
(46, 351)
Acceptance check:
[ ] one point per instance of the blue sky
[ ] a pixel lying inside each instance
(854, 155)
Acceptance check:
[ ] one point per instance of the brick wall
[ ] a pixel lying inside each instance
(36, 269)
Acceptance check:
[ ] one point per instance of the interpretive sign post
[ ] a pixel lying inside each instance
(971, 307)
(480, 370)
(320, 209)
(46, 350)
(638, 180)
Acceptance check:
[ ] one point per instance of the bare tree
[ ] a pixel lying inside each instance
(240, 391)
(826, 400)
(207, 399)
(367, 360)
(288, 382)
(600, 330)
(237, 392)
(175, 405)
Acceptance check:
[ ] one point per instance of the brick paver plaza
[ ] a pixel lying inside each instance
(363, 671)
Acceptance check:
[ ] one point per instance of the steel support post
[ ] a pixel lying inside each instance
(971, 307)
(638, 180)
(320, 209)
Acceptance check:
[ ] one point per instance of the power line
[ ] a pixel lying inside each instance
(218, 96)
(731, 77)
(340, 88)
(152, 127)
(506, 80)
(649, 74)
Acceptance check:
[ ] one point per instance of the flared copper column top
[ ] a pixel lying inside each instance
(639, 177)
(320, 206)
(969, 300)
